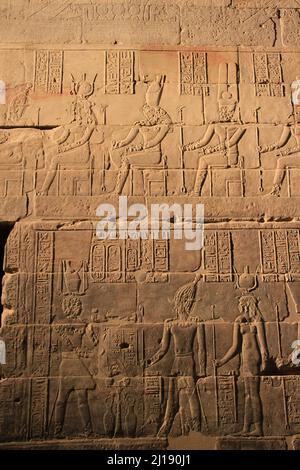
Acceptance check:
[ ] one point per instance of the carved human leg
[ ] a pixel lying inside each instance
(282, 164)
(84, 410)
(122, 176)
(171, 408)
(257, 417)
(253, 409)
(146, 159)
(248, 407)
(78, 155)
(193, 403)
(50, 175)
(188, 399)
(60, 409)
(204, 163)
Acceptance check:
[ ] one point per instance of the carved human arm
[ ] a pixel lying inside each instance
(234, 349)
(262, 343)
(54, 343)
(164, 346)
(235, 138)
(63, 137)
(285, 135)
(290, 151)
(201, 350)
(130, 137)
(201, 142)
(158, 138)
(16, 151)
(91, 335)
(73, 85)
(84, 139)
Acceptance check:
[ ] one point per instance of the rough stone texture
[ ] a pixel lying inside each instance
(131, 344)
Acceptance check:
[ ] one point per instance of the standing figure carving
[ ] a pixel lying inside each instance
(249, 340)
(77, 343)
(185, 331)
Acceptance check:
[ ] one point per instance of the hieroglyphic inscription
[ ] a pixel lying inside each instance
(227, 400)
(44, 269)
(279, 253)
(218, 256)
(268, 74)
(119, 72)
(193, 73)
(48, 71)
(116, 262)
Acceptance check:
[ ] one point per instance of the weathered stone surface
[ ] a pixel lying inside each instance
(164, 22)
(296, 443)
(131, 343)
(290, 20)
(227, 26)
(249, 443)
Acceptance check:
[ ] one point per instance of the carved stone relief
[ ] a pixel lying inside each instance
(130, 342)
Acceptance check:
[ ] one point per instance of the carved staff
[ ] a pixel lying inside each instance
(202, 365)
(257, 146)
(278, 332)
(105, 158)
(52, 411)
(180, 112)
(204, 90)
(286, 419)
(214, 363)
(201, 407)
(118, 425)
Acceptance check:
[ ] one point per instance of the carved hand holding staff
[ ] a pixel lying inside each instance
(180, 113)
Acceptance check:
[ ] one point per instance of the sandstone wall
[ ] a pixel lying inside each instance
(123, 343)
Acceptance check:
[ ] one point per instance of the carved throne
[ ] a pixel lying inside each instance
(232, 185)
(12, 177)
(292, 180)
(152, 179)
(75, 179)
